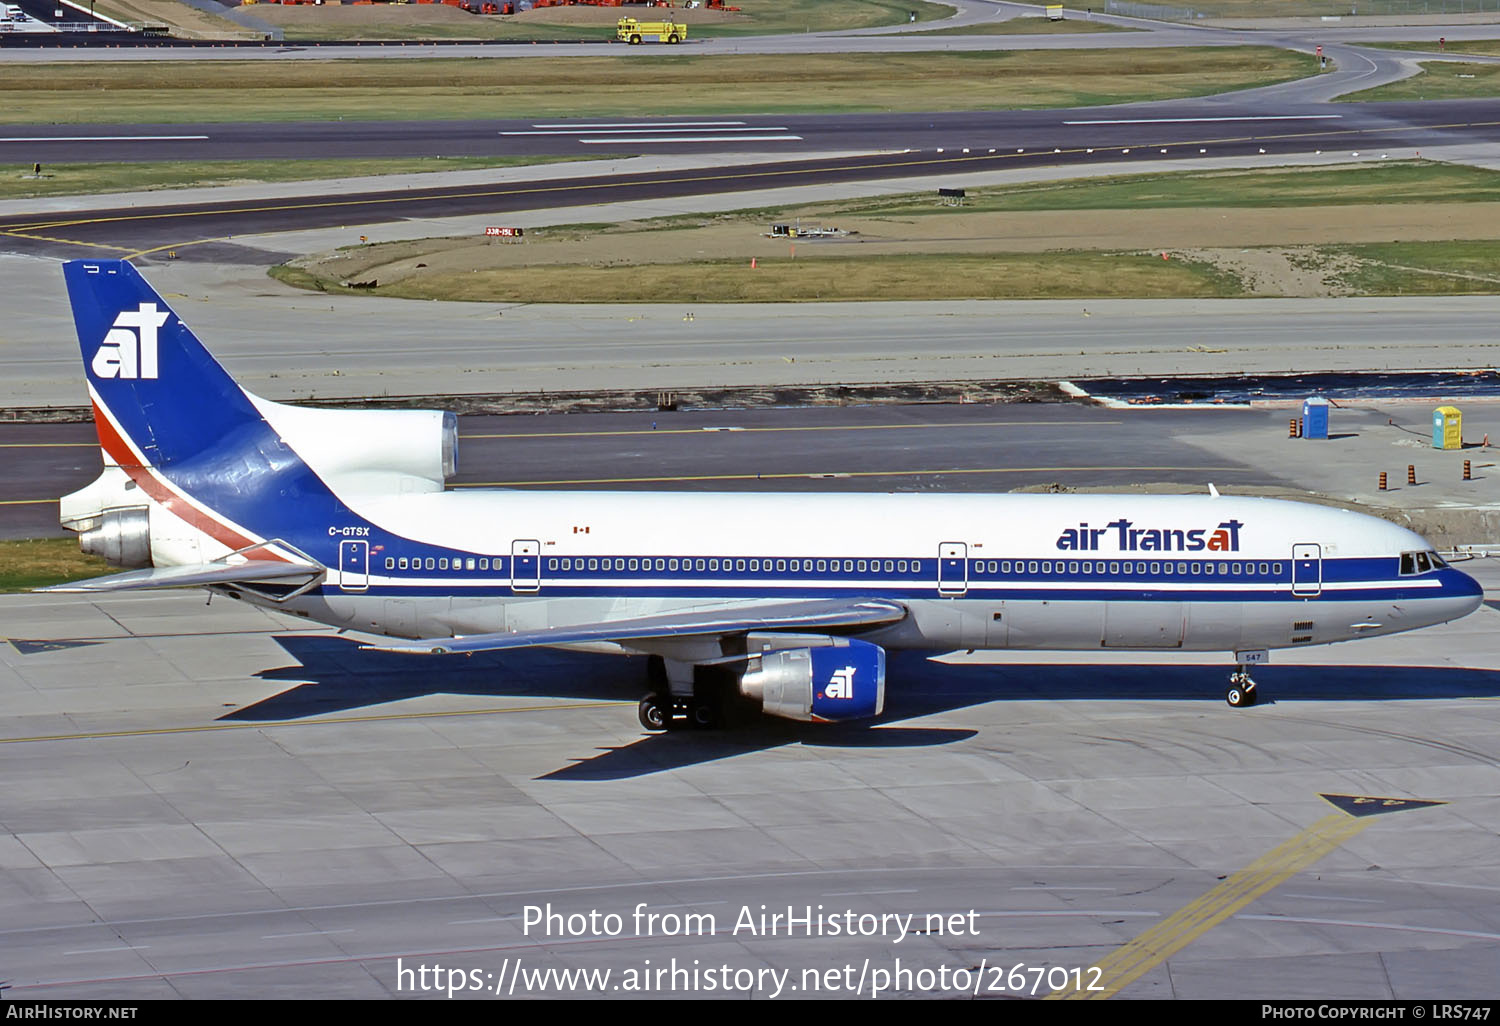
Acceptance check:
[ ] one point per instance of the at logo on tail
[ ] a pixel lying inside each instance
(124, 355)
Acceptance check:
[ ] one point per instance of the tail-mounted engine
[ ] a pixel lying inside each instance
(842, 680)
(121, 536)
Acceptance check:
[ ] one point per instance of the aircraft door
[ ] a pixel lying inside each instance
(953, 568)
(525, 565)
(1307, 570)
(354, 565)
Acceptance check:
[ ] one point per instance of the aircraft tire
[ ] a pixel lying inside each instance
(653, 713)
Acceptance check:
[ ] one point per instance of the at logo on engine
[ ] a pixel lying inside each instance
(841, 684)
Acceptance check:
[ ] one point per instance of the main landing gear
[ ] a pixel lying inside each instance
(705, 707)
(1241, 691)
(667, 712)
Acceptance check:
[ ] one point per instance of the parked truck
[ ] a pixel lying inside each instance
(629, 30)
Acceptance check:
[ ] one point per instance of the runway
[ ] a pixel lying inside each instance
(975, 144)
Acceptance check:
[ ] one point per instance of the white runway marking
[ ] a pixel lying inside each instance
(584, 125)
(96, 138)
(1182, 121)
(690, 139)
(653, 129)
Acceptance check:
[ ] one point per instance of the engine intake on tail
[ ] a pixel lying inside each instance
(843, 680)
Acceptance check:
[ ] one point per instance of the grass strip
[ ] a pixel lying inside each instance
(1452, 268)
(930, 276)
(677, 84)
(1440, 80)
(39, 562)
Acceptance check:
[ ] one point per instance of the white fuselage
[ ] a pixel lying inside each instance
(975, 571)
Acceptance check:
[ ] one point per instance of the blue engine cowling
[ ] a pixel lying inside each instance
(843, 679)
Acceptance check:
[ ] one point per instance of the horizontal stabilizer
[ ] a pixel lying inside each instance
(737, 619)
(197, 576)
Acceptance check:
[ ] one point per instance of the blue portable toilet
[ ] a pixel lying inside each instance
(1447, 428)
(1315, 417)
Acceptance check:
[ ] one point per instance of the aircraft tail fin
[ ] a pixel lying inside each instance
(159, 398)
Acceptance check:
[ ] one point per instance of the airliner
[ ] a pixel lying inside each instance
(744, 604)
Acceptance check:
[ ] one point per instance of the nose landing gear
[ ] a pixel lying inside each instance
(1241, 691)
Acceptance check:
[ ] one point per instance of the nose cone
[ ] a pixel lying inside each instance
(1462, 593)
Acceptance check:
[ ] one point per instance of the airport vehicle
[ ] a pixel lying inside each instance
(782, 602)
(629, 30)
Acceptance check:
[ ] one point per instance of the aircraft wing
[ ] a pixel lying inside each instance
(196, 576)
(794, 614)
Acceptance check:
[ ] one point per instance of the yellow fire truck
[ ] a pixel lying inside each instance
(628, 30)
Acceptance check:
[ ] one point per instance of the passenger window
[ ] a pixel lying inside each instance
(755, 566)
(822, 565)
(1156, 568)
(1276, 569)
(1005, 566)
(661, 564)
(671, 564)
(699, 565)
(1182, 568)
(390, 563)
(431, 563)
(1046, 568)
(781, 566)
(862, 566)
(1264, 569)
(567, 564)
(901, 566)
(633, 564)
(713, 564)
(1114, 568)
(739, 565)
(403, 562)
(469, 563)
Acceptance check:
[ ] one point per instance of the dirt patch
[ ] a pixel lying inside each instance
(1282, 270)
(1273, 251)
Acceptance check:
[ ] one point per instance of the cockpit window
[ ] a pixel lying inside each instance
(1413, 563)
